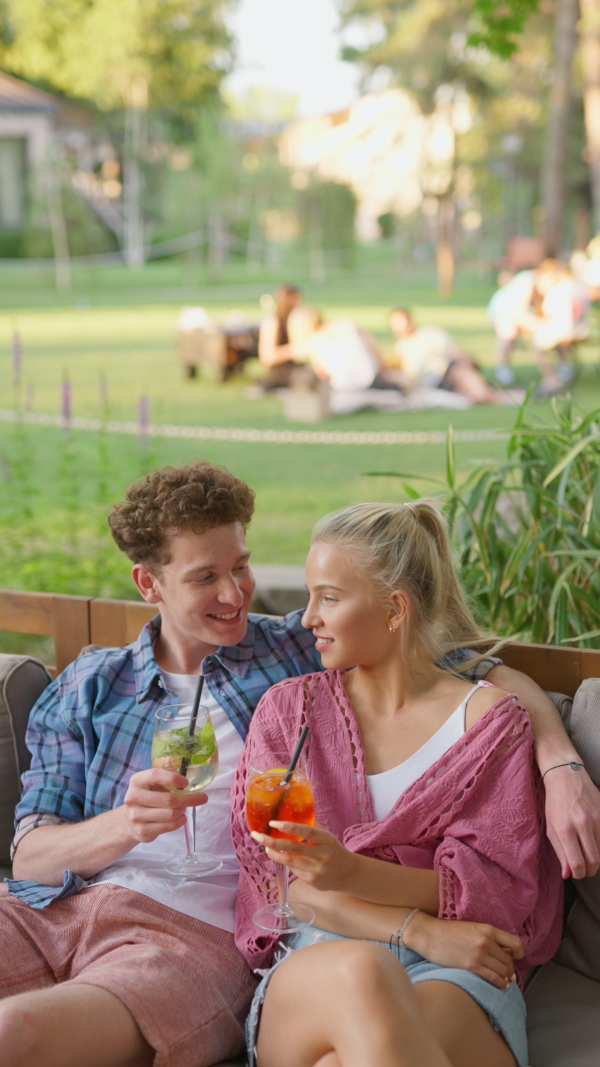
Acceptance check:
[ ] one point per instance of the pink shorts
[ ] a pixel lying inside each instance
(183, 981)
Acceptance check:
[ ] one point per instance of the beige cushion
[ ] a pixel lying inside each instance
(563, 1018)
(565, 707)
(22, 680)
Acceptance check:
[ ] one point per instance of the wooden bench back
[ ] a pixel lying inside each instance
(76, 621)
(65, 618)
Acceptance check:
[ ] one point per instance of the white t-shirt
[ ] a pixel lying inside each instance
(344, 355)
(212, 898)
(426, 354)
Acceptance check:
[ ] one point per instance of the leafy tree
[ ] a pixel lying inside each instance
(501, 24)
(125, 55)
(428, 44)
(424, 46)
(103, 50)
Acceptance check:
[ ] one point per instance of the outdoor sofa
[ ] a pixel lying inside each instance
(563, 997)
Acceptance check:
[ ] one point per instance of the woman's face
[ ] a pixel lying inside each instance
(350, 623)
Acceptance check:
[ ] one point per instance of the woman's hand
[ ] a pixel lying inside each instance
(323, 863)
(476, 947)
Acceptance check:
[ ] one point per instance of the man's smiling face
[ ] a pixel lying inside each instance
(203, 593)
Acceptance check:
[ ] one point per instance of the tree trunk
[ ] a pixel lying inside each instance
(133, 219)
(590, 57)
(444, 251)
(217, 248)
(556, 156)
(58, 229)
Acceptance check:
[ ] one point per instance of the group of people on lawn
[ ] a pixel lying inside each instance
(432, 870)
(548, 306)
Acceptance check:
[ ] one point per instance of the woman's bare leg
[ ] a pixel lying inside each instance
(344, 1004)
(461, 1027)
(466, 379)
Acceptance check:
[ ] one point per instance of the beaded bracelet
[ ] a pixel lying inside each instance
(573, 765)
(398, 933)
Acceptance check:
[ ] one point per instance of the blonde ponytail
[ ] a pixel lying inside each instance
(407, 547)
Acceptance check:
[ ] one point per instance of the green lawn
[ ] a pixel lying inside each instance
(55, 491)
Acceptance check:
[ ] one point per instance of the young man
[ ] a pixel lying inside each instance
(106, 959)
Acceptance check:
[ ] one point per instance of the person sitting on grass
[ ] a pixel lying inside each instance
(434, 886)
(105, 959)
(549, 306)
(274, 350)
(432, 358)
(339, 353)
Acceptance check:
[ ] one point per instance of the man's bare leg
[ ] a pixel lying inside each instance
(344, 1004)
(70, 1025)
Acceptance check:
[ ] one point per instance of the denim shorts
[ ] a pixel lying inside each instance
(505, 1007)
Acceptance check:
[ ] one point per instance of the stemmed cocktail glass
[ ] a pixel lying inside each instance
(268, 798)
(185, 743)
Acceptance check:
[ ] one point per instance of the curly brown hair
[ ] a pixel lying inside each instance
(196, 496)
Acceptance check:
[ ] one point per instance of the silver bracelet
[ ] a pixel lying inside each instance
(397, 934)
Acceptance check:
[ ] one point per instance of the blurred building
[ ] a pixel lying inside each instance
(32, 124)
(390, 154)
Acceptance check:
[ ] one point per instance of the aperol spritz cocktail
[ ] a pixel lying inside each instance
(268, 799)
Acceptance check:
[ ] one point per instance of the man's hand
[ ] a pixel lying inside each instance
(572, 800)
(323, 863)
(573, 820)
(475, 947)
(151, 810)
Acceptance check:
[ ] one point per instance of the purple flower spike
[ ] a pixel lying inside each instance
(17, 361)
(65, 402)
(143, 420)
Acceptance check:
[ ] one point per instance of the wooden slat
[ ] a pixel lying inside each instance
(552, 667)
(65, 618)
(71, 628)
(590, 663)
(117, 622)
(27, 613)
(78, 621)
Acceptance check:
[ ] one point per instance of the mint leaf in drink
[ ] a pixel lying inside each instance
(176, 745)
(207, 745)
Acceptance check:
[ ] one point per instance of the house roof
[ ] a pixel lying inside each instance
(17, 95)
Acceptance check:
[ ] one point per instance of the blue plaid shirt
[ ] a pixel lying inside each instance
(92, 728)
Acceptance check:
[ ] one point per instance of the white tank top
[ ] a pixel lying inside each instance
(389, 785)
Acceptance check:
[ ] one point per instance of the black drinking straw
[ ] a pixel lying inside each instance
(292, 767)
(186, 759)
(296, 756)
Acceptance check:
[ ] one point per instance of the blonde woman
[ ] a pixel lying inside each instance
(434, 886)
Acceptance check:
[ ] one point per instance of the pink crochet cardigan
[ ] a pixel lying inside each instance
(476, 815)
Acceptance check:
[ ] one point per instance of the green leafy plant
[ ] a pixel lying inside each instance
(526, 529)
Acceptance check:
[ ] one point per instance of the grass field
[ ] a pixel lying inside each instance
(118, 325)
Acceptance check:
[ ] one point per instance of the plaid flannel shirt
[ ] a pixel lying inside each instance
(92, 728)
